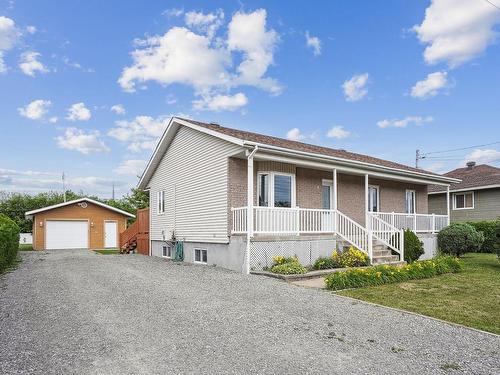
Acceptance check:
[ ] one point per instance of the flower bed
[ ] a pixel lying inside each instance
(350, 258)
(385, 274)
(287, 266)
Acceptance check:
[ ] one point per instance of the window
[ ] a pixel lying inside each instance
(166, 251)
(410, 202)
(326, 196)
(276, 189)
(161, 202)
(463, 201)
(373, 198)
(200, 256)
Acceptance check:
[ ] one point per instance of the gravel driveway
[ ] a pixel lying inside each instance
(83, 313)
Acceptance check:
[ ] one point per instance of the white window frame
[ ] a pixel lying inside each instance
(463, 208)
(201, 255)
(377, 188)
(160, 202)
(414, 192)
(169, 251)
(270, 192)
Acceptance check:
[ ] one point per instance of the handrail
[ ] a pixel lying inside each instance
(419, 223)
(386, 233)
(353, 232)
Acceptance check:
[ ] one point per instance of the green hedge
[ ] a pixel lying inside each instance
(9, 242)
(489, 229)
(459, 238)
(385, 274)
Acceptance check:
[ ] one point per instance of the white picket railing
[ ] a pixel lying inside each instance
(419, 223)
(386, 233)
(284, 220)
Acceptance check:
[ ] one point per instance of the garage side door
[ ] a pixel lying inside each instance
(67, 234)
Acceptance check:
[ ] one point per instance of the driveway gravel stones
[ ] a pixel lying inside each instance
(77, 312)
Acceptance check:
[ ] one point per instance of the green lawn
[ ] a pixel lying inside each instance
(471, 297)
(25, 247)
(108, 251)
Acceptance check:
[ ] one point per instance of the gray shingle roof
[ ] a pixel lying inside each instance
(477, 176)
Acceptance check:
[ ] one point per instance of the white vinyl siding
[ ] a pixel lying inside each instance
(193, 173)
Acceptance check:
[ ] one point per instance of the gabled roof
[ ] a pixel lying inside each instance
(33, 212)
(246, 138)
(480, 176)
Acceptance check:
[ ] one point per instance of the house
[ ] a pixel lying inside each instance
(238, 198)
(78, 224)
(475, 198)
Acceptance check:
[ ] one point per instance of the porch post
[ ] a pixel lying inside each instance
(448, 204)
(249, 208)
(334, 200)
(367, 221)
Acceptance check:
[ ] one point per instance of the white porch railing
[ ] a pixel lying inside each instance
(419, 223)
(386, 233)
(282, 221)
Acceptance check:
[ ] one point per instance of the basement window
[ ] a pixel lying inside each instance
(200, 256)
(166, 251)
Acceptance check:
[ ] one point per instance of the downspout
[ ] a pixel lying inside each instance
(249, 207)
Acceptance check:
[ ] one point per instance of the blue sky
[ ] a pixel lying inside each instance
(86, 87)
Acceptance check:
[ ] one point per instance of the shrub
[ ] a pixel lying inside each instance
(351, 258)
(385, 274)
(9, 242)
(414, 248)
(287, 266)
(497, 239)
(459, 238)
(325, 263)
(488, 228)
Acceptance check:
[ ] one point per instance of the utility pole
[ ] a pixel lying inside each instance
(417, 158)
(113, 191)
(64, 186)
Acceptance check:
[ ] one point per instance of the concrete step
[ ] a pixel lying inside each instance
(381, 253)
(385, 259)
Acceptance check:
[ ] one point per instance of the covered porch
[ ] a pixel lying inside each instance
(285, 196)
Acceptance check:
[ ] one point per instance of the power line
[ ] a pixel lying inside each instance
(493, 4)
(459, 149)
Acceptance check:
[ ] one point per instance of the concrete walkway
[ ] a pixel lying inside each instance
(76, 312)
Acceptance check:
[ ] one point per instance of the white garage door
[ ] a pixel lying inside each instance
(67, 234)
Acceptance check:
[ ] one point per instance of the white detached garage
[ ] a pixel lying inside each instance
(79, 224)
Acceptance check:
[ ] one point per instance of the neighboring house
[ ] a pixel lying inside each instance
(78, 224)
(303, 199)
(475, 198)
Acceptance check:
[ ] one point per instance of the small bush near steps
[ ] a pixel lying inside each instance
(351, 258)
(414, 248)
(287, 266)
(385, 274)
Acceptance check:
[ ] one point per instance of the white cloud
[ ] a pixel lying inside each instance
(78, 140)
(30, 65)
(9, 36)
(355, 88)
(294, 135)
(486, 156)
(456, 31)
(207, 23)
(403, 123)
(203, 61)
(36, 110)
(430, 86)
(435, 167)
(314, 43)
(53, 119)
(141, 133)
(31, 29)
(338, 132)
(76, 65)
(173, 12)
(247, 33)
(221, 102)
(119, 109)
(38, 181)
(132, 167)
(78, 112)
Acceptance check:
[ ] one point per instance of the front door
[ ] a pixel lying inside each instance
(326, 202)
(373, 199)
(110, 234)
